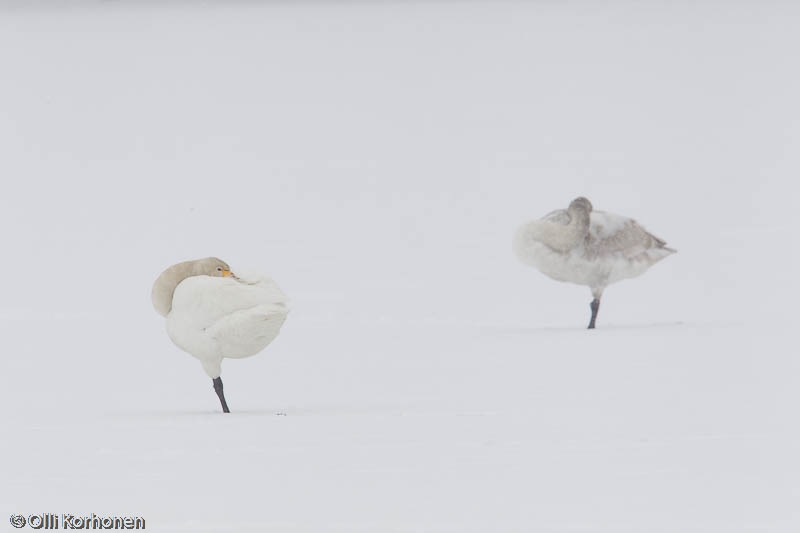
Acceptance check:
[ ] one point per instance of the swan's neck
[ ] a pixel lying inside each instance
(562, 237)
(167, 282)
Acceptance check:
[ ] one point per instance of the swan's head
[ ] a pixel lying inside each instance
(580, 204)
(211, 266)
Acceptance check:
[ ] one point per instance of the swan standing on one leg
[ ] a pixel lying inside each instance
(213, 314)
(587, 247)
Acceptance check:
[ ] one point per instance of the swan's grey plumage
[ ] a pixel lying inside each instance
(588, 247)
(213, 314)
(165, 284)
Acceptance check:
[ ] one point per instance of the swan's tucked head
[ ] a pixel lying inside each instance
(165, 285)
(211, 266)
(580, 204)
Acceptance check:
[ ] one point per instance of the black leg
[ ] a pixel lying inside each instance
(218, 389)
(595, 306)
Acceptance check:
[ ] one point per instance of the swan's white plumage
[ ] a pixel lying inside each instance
(611, 249)
(217, 317)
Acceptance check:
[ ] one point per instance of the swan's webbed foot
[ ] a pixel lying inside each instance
(595, 306)
(218, 389)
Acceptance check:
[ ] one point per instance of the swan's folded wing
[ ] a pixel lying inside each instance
(205, 300)
(611, 234)
(247, 331)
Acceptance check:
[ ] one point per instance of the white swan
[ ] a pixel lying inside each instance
(212, 314)
(588, 247)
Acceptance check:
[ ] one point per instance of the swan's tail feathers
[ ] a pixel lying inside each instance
(661, 245)
(654, 255)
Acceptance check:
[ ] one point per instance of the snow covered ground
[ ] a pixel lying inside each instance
(375, 159)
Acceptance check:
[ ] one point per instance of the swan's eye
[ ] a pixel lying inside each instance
(219, 269)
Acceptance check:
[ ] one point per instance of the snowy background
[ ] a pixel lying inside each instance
(375, 158)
